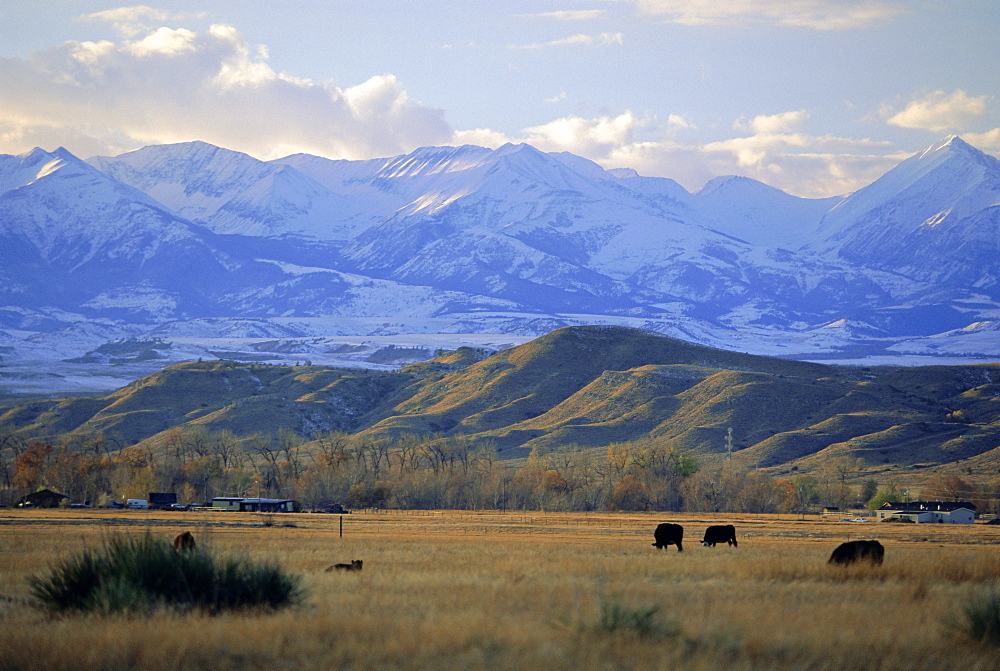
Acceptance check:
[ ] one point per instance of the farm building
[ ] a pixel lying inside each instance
(227, 502)
(255, 505)
(43, 498)
(948, 512)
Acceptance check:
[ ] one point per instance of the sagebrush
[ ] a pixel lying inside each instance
(144, 573)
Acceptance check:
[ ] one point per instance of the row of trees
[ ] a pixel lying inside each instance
(430, 472)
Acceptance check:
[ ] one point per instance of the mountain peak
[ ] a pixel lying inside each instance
(34, 154)
(951, 143)
(948, 149)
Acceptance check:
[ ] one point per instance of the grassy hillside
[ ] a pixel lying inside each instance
(241, 398)
(576, 387)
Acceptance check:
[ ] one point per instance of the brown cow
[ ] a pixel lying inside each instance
(355, 565)
(185, 542)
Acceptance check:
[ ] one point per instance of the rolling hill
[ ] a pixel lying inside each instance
(575, 387)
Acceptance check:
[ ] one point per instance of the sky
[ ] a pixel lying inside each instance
(814, 97)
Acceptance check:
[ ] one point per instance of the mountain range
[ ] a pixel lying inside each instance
(206, 250)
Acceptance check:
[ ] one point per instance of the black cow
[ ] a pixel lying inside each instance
(724, 533)
(854, 551)
(669, 534)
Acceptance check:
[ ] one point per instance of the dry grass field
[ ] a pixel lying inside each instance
(464, 590)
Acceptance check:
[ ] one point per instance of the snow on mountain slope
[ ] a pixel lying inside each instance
(42, 188)
(902, 221)
(18, 171)
(514, 215)
(508, 240)
(760, 214)
(72, 234)
(233, 193)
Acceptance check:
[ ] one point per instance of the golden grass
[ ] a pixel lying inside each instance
(465, 590)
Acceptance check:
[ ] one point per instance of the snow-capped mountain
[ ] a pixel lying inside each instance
(233, 193)
(72, 237)
(759, 214)
(510, 240)
(931, 218)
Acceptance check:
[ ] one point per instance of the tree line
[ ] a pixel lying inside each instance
(435, 472)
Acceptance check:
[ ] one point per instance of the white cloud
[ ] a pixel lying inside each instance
(131, 21)
(677, 121)
(586, 137)
(939, 112)
(774, 150)
(166, 85)
(803, 165)
(571, 14)
(165, 41)
(172, 85)
(785, 122)
(603, 39)
(813, 14)
(988, 141)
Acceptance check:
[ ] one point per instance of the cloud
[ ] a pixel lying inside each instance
(171, 85)
(164, 85)
(131, 21)
(604, 39)
(774, 149)
(586, 137)
(804, 165)
(677, 121)
(988, 141)
(812, 14)
(939, 112)
(570, 14)
(785, 122)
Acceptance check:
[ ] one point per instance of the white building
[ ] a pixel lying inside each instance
(946, 512)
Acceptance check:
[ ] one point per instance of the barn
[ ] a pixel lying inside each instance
(929, 512)
(43, 498)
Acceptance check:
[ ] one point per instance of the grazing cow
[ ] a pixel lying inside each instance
(185, 542)
(355, 565)
(724, 533)
(854, 551)
(669, 534)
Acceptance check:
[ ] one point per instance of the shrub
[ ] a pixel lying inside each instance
(618, 618)
(982, 618)
(142, 574)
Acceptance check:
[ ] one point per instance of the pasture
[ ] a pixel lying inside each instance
(487, 590)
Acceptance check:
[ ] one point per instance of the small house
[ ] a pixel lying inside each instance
(227, 503)
(255, 505)
(946, 512)
(269, 506)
